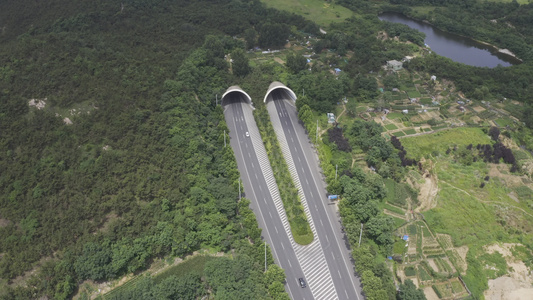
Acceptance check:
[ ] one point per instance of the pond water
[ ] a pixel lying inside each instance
(455, 47)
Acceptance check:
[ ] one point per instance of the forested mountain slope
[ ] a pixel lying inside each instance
(125, 160)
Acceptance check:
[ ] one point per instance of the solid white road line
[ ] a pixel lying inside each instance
(259, 207)
(331, 224)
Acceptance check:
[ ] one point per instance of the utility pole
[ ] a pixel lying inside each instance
(239, 190)
(336, 168)
(224, 138)
(216, 100)
(265, 256)
(360, 234)
(317, 131)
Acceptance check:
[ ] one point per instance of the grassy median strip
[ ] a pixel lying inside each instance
(301, 231)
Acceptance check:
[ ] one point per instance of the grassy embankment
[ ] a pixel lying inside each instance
(440, 141)
(193, 265)
(320, 12)
(473, 215)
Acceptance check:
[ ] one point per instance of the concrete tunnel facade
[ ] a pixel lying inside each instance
(278, 85)
(236, 89)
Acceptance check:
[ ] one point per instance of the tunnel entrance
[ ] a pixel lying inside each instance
(235, 94)
(278, 86)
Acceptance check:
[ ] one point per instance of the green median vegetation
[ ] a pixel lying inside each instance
(300, 229)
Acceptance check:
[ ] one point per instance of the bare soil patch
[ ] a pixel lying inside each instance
(433, 265)
(515, 285)
(428, 193)
(462, 251)
(478, 109)
(417, 118)
(430, 294)
(4, 222)
(279, 60)
(509, 143)
(435, 115)
(476, 119)
(506, 288)
(453, 110)
(509, 179)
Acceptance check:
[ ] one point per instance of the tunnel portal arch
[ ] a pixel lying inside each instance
(236, 89)
(278, 85)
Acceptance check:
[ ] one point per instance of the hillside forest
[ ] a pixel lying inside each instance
(112, 156)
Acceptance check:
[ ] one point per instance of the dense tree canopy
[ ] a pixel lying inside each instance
(141, 172)
(241, 65)
(408, 291)
(296, 63)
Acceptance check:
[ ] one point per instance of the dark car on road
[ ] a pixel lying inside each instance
(302, 282)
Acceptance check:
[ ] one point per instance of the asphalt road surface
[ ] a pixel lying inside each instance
(323, 212)
(258, 189)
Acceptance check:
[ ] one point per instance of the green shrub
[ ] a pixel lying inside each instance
(391, 127)
(494, 264)
(475, 277)
(414, 94)
(399, 247)
(457, 287)
(424, 275)
(521, 154)
(394, 209)
(412, 229)
(410, 271)
(434, 287)
(426, 101)
(398, 133)
(524, 192)
(400, 195)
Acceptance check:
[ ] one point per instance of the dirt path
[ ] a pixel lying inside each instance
(393, 214)
(342, 113)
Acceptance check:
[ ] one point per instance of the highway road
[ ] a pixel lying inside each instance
(261, 189)
(303, 162)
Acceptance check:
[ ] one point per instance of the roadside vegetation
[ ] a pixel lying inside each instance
(300, 229)
(453, 161)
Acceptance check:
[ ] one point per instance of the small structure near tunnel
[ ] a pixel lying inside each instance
(394, 65)
(331, 118)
